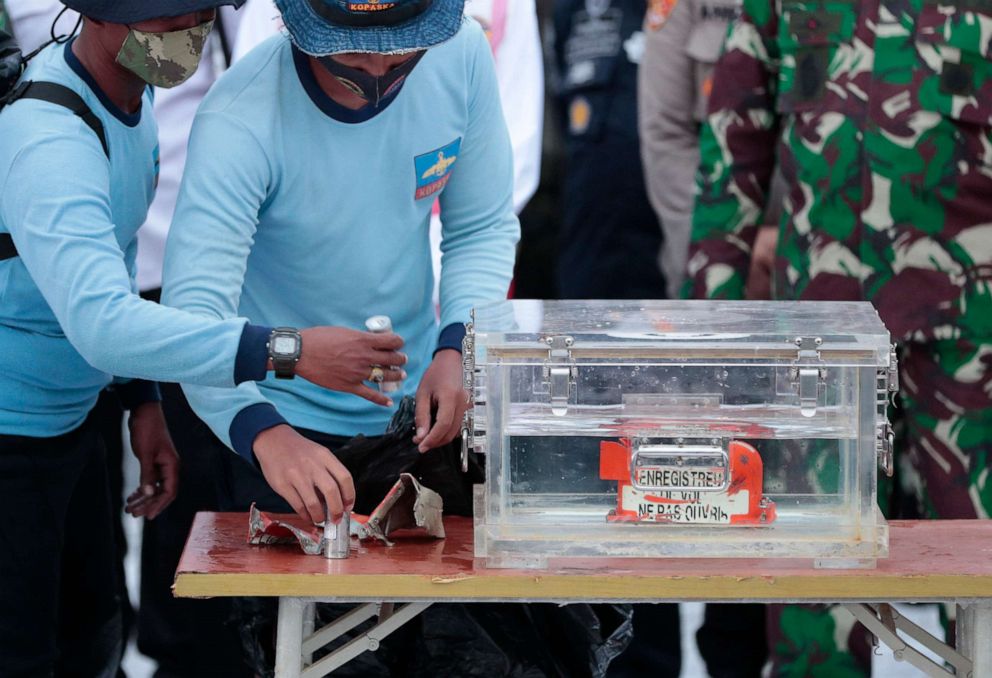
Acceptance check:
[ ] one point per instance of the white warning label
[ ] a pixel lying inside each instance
(685, 507)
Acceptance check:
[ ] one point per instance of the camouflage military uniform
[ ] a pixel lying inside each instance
(682, 41)
(880, 114)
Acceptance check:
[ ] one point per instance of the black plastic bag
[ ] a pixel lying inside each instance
(376, 463)
(484, 640)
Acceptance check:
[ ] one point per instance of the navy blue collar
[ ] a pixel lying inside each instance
(129, 119)
(326, 104)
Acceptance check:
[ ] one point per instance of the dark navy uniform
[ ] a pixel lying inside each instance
(610, 237)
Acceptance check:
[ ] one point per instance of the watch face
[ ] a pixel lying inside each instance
(284, 345)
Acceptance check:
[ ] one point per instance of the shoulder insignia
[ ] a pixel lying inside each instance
(658, 13)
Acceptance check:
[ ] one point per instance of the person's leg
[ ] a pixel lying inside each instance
(108, 416)
(91, 641)
(805, 640)
(732, 640)
(946, 402)
(943, 450)
(656, 647)
(37, 477)
(188, 638)
(817, 640)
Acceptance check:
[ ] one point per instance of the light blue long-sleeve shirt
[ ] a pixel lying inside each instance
(296, 211)
(69, 315)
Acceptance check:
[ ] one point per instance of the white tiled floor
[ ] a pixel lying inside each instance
(884, 666)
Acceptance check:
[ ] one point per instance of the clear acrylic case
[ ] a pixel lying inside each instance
(679, 429)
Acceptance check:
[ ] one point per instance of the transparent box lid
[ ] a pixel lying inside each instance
(675, 325)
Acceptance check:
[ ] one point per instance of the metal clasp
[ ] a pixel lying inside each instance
(560, 378)
(809, 373)
(887, 385)
(884, 444)
(893, 370)
(468, 383)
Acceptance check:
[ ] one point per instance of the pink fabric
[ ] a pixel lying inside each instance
(498, 25)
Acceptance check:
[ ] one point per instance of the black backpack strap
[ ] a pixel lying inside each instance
(54, 93)
(61, 95)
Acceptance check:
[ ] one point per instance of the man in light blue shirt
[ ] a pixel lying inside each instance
(78, 161)
(312, 169)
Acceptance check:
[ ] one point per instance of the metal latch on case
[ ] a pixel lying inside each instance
(808, 373)
(559, 377)
(887, 385)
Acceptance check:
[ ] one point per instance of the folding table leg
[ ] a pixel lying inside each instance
(309, 619)
(390, 618)
(885, 622)
(289, 638)
(974, 636)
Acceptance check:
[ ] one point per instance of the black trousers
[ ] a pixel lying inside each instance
(732, 640)
(108, 417)
(59, 594)
(188, 638)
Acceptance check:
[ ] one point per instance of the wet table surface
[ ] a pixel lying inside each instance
(928, 560)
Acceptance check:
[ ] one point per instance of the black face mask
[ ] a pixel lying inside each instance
(373, 88)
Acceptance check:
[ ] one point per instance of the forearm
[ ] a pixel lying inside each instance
(74, 259)
(236, 416)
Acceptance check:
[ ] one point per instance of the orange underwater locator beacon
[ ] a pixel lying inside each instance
(690, 483)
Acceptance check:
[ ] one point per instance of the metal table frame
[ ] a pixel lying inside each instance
(938, 562)
(297, 639)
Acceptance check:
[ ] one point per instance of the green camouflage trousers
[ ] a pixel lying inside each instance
(943, 426)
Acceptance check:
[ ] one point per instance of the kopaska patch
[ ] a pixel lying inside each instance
(433, 169)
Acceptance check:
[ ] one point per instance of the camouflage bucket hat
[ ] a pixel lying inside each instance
(323, 27)
(133, 11)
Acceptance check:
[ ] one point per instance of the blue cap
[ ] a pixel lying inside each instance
(133, 11)
(322, 27)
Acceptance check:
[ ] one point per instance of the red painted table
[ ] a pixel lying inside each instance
(943, 561)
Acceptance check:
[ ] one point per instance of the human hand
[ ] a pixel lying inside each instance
(441, 392)
(759, 277)
(305, 474)
(158, 460)
(342, 360)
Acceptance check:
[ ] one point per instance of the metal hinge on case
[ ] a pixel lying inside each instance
(893, 370)
(559, 377)
(808, 373)
(467, 424)
(884, 440)
(887, 384)
(468, 383)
